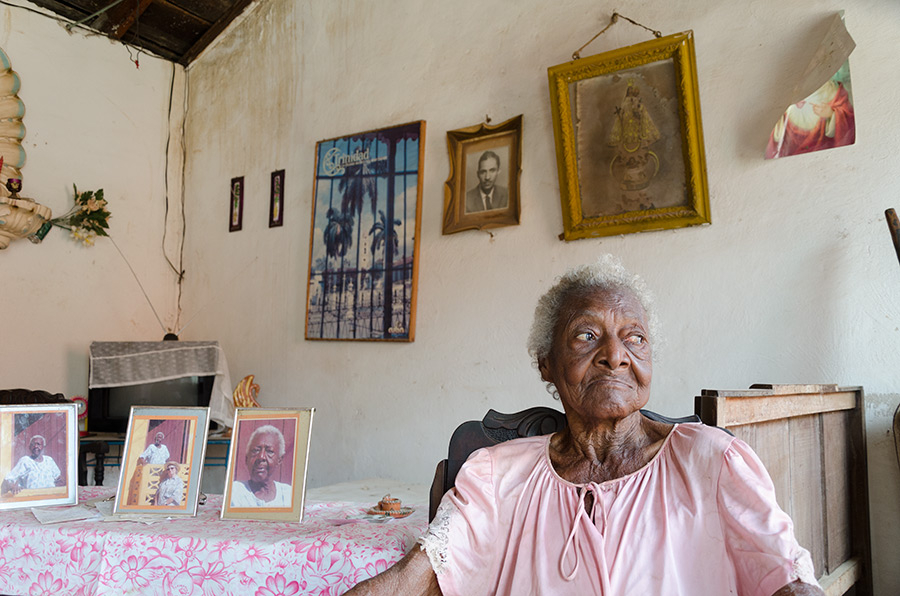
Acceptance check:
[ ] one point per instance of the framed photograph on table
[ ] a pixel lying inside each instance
(364, 237)
(38, 455)
(483, 188)
(266, 477)
(629, 140)
(162, 461)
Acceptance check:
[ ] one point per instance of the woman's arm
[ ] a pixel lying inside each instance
(798, 588)
(413, 576)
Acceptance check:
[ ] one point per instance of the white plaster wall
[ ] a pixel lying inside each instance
(795, 281)
(93, 119)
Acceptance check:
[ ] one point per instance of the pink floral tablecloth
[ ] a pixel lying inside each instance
(201, 556)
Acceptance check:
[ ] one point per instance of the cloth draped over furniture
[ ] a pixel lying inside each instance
(335, 547)
(117, 364)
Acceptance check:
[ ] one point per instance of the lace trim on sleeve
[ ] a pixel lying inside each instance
(436, 538)
(803, 568)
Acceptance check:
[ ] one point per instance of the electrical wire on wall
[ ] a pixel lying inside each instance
(177, 266)
(88, 32)
(179, 269)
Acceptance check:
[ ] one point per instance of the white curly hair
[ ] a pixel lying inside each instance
(268, 429)
(607, 273)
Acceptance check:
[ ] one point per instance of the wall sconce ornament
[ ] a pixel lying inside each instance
(21, 217)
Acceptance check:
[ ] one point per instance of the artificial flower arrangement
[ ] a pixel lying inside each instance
(87, 219)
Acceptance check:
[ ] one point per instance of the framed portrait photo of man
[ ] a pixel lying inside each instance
(483, 188)
(629, 140)
(162, 461)
(38, 455)
(266, 478)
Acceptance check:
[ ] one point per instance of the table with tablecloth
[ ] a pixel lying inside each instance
(334, 547)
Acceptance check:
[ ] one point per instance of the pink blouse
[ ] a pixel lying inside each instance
(699, 518)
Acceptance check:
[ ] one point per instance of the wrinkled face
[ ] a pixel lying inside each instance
(600, 361)
(262, 457)
(36, 446)
(487, 174)
(158, 439)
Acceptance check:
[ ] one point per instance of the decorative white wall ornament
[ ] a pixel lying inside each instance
(19, 217)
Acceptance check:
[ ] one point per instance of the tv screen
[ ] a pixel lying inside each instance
(109, 407)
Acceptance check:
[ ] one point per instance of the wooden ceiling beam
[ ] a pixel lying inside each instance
(214, 31)
(116, 21)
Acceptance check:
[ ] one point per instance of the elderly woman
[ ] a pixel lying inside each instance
(616, 503)
(265, 451)
(171, 487)
(34, 470)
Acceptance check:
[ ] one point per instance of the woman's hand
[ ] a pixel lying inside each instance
(798, 588)
(412, 575)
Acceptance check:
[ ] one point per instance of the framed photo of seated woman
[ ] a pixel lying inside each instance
(266, 478)
(162, 461)
(38, 455)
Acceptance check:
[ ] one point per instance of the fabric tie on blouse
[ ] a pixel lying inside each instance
(580, 512)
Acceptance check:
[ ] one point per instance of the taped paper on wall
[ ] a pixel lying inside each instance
(821, 112)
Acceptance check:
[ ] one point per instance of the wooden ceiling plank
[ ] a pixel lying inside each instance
(190, 14)
(116, 21)
(236, 9)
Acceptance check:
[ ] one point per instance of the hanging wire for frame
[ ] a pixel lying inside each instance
(576, 55)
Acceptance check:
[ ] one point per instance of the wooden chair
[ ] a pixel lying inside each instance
(30, 396)
(812, 440)
(897, 432)
(496, 428)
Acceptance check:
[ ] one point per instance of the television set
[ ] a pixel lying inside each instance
(108, 408)
(157, 373)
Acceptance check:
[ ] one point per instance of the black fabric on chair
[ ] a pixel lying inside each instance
(496, 428)
(30, 396)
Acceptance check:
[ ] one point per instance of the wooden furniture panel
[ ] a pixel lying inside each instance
(812, 440)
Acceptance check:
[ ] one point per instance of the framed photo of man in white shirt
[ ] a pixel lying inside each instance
(483, 188)
(162, 461)
(38, 453)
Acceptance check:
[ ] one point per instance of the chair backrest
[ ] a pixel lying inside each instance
(30, 396)
(812, 440)
(496, 428)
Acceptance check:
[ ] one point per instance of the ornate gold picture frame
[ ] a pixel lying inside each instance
(483, 188)
(629, 140)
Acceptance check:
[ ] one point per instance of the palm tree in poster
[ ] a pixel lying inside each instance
(379, 232)
(338, 237)
(382, 234)
(358, 181)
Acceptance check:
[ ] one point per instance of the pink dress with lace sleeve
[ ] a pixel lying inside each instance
(699, 518)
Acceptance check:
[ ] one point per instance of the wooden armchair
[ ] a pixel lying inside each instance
(812, 440)
(496, 428)
(30, 396)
